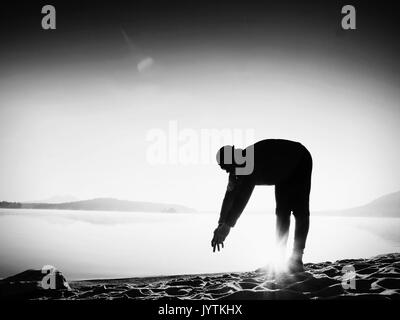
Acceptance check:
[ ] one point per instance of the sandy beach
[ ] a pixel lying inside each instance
(375, 278)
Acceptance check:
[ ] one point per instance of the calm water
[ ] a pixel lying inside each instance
(98, 244)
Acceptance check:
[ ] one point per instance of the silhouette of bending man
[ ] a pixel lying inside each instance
(285, 164)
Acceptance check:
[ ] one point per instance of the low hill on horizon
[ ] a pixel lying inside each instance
(102, 204)
(384, 206)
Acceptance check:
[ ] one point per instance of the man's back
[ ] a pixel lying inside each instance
(275, 160)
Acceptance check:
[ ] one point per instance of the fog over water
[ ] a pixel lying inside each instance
(98, 244)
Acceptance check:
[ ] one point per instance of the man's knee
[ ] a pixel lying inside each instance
(283, 211)
(301, 212)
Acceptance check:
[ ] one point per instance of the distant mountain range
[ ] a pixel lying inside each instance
(102, 204)
(385, 206)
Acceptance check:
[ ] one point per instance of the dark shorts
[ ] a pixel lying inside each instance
(293, 194)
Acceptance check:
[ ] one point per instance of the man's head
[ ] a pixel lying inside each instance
(225, 158)
(237, 161)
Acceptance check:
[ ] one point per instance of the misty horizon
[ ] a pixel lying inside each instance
(386, 202)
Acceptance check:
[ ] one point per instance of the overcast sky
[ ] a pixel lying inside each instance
(77, 103)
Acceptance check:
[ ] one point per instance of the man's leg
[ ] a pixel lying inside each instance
(301, 231)
(302, 218)
(282, 212)
(301, 210)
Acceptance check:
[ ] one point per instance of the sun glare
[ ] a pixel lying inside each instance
(276, 262)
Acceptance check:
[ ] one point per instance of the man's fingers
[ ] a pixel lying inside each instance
(217, 242)
(217, 245)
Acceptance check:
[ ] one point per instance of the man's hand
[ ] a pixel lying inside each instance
(219, 236)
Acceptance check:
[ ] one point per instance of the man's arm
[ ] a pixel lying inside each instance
(236, 197)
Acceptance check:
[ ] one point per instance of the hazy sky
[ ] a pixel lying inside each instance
(77, 103)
